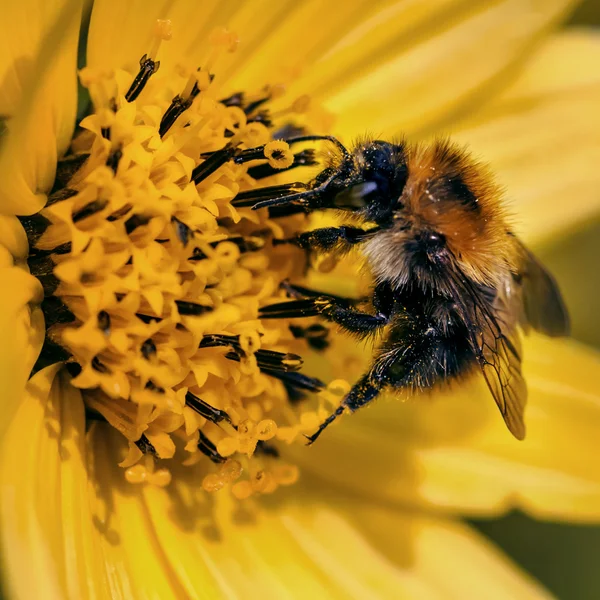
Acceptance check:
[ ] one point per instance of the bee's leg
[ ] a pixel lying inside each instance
(362, 392)
(332, 309)
(294, 290)
(328, 238)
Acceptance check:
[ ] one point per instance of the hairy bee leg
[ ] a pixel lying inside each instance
(361, 393)
(328, 238)
(332, 309)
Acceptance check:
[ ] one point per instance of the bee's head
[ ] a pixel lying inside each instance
(379, 175)
(448, 216)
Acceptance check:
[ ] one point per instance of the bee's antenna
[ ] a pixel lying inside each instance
(327, 138)
(338, 411)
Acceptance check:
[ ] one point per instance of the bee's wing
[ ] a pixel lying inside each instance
(498, 354)
(543, 305)
(500, 361)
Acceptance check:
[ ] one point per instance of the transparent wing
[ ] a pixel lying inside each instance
(497, 349)
(543, 304)
(500, 362)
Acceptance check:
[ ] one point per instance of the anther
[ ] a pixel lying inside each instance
(99, 366)
(112, 162)
(134, 222)
(212, 163)
(191, 308)
(267, 449)
(182, 102)
(148, 349)
(150, 385)
(182, 230)
(212, 414)
(89, 209)
(104, 321)
(146, 447)
(147, 68)
(297, 380)
(209, 449)
(269, 360)
(65, 169)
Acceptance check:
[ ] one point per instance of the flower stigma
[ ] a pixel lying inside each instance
(154, 268)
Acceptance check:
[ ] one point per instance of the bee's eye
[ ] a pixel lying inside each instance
(356, 196)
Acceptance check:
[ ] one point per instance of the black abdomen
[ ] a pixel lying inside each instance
(427, 343)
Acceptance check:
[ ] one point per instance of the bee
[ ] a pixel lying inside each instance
(452, 284)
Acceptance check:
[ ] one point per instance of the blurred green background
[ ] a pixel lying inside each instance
(565, 558)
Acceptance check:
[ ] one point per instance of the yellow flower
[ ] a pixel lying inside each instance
(375, 511)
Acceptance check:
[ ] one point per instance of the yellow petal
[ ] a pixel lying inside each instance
(13, 238)
(22, 327)
(199, 547)
(542, 137)
(38, 47)
(45, 515)
(441, 66)
(435, 558)
(67, 509)
(453, 452)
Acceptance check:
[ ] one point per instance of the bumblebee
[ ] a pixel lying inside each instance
(452, 284)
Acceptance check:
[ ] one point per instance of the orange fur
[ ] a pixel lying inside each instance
(478, 239)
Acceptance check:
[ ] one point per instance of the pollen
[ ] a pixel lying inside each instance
(154, 272)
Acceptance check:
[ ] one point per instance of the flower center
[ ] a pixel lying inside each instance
(154, 270)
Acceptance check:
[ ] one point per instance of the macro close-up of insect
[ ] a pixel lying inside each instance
(452, 283)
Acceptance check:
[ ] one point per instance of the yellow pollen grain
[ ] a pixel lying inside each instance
(279, 154)
(230, 471)
(286, 474)
(228, 446)
(213, 482)
(242, 490)
(136, 474)
(266, 429)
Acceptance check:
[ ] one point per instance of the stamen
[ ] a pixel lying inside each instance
(212, 414)
(148, 349)
(207, 448)
(148, 63)
(191, 308)
(89, 209)
(183, 231)
(136, 206)
(298, 380)
(104, 322)
(198, 81)
(269, 360)
(305, 158)
(146, 447)
(147, 68)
